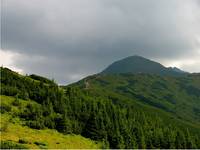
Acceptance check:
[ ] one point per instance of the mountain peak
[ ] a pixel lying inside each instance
(135, 57)
(177, 70)
(138, 64)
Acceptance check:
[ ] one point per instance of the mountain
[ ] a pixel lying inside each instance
(115, 110)
(138, 64)
(175, 69)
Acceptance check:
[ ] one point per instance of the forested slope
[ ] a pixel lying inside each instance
(179, 96)
(15, 134)
(98, 108)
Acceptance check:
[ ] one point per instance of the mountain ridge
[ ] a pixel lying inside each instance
(138, 64)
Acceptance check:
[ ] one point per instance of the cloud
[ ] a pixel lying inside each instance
(69, 39)
(7, 60)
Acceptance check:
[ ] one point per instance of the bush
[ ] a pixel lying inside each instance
(16, 102)
(5, 108)
(35, 124)
(23, 141)
(4, 127)
(11, 145)
(24, 95)
(42, 145)
(9, 90)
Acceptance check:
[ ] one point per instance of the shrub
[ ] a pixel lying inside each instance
(41, 145)
(11, 145)
(23, 141)
(35, 124)
(5, 108)
(4, 127)
(16, 102)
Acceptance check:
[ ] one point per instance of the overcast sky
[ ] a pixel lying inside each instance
(70, 39)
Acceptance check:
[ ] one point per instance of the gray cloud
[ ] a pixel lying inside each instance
(69, 39)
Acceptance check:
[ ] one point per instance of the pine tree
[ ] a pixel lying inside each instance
(189, 142)
(91, 128)
(180, 140)
(63, 124)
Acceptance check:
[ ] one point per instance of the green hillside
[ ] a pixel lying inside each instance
(179, 96)
(14, 132)
(167, 100)
(118, 111)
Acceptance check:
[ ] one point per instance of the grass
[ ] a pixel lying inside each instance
(13, 130)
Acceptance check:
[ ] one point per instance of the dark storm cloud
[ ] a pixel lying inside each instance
(73, 38)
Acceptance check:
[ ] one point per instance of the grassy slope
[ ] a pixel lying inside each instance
(51, 138)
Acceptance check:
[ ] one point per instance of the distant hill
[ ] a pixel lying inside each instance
(138, 64)
(175, 69)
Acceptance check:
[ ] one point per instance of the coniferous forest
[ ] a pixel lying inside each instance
(111, 109)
